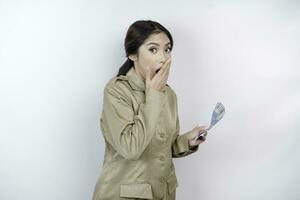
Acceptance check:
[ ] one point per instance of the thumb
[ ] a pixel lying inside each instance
(201, 128)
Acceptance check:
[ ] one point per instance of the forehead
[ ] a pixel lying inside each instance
(160, 38)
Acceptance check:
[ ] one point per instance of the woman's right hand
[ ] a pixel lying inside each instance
(159, 80)
(195, 132)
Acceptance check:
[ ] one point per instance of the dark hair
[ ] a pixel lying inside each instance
(137, 33)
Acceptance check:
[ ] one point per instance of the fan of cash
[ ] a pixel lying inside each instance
(217, 115)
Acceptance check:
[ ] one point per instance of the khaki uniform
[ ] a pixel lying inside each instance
(140, 126)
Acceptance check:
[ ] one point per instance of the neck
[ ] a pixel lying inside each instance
(138, 73)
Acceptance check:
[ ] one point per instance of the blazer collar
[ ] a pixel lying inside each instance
(135, 81)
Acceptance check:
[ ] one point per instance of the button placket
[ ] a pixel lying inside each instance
(162, 135)
(161, 157)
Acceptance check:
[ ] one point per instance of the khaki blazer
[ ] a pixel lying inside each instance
(140, 126)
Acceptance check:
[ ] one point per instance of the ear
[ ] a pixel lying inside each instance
(132, 57)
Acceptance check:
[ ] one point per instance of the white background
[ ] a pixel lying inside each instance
(56, 56)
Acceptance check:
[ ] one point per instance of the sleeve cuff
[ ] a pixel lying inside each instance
(184, 144)
(152, 95)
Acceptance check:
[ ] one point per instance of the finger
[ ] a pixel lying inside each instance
(202, 127)
(165, 65)
(166, 69)
(161, 76)
(161, 73)
(166, 75)
(202, 132)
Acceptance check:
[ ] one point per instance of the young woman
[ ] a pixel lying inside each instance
(140, 123)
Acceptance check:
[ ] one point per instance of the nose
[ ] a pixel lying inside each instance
(163, 59)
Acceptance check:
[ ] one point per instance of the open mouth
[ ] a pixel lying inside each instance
(157, 70)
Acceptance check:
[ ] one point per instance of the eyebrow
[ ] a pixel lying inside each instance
(157, 43)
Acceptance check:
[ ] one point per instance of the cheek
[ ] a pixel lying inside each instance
(149, 64)
(149, 61)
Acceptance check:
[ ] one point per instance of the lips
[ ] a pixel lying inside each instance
(157, 70)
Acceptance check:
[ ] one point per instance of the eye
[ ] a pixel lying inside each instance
(151, 49)
(169, 49)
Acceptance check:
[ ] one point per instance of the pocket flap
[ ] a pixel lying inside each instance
(136, 190)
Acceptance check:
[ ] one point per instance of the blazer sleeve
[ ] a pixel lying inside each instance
(127, 132)
(180, 145)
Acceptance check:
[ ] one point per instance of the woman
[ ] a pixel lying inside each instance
(140, 123)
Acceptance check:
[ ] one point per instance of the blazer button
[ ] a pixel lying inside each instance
(162, 179)
(162, 158)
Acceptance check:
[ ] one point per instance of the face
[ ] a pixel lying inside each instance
(155, 51)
